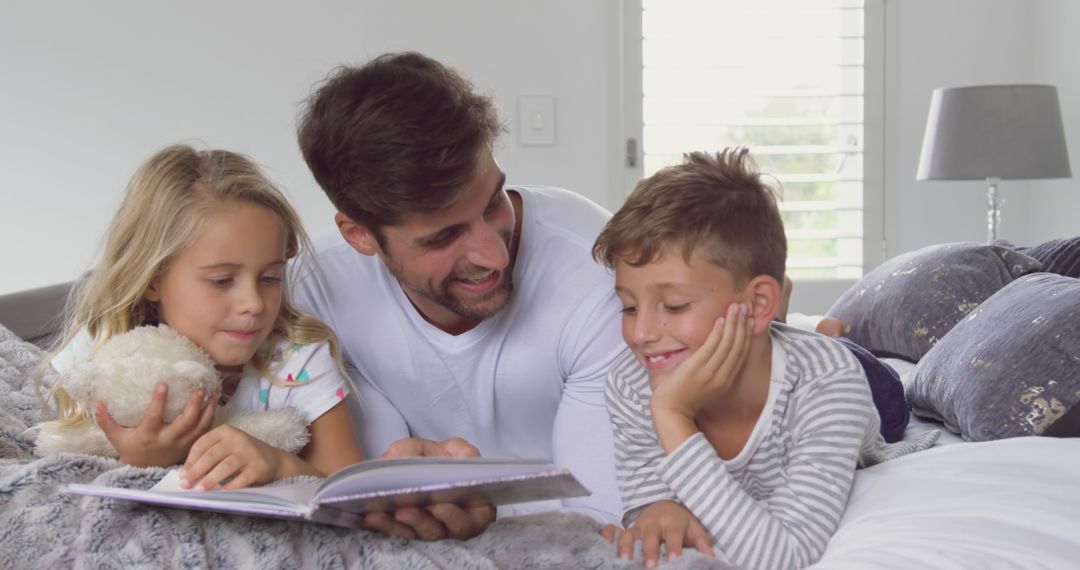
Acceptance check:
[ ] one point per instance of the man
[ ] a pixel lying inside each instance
(465, 309)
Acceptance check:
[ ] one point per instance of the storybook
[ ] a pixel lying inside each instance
(376, 485)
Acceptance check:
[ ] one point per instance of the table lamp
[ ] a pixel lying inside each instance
(994, 133)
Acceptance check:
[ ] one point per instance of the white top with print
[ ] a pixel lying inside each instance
(308, 378)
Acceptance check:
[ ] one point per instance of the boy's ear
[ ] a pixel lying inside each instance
(358, 235)
(765, 298)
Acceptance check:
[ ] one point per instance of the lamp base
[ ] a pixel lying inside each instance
(993, 214)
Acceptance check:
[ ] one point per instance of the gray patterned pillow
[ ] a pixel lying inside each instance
(1061, 256)
(1011, 368)
(908, 303)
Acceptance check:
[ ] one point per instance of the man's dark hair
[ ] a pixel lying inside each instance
(400, 135)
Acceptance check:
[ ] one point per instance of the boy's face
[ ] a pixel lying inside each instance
(670, 306)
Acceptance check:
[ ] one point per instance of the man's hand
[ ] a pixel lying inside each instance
(419, 447)
(153, 441)
(663, 522)
(440, 520)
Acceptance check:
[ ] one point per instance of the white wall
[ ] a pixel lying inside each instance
(1056, 213)
(941, 43)
(89, 90)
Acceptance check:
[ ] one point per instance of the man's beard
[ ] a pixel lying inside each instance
(474, 309)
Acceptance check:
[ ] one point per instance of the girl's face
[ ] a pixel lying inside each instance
(224, 291)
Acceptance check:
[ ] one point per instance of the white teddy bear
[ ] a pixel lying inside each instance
(122, 374)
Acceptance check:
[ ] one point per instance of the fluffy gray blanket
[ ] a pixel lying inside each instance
(42, 528)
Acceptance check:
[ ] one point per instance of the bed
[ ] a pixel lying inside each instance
(1008, 503)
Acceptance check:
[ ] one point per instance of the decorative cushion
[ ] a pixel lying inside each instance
(1061, 256)
(908, 303)
(1011, 368)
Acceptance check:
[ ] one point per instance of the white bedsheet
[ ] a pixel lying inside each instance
(1011, 503)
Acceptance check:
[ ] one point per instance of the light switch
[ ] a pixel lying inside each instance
(536, 120)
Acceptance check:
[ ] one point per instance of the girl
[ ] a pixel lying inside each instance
(200, 243)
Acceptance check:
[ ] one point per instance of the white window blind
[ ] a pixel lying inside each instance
(782, 77)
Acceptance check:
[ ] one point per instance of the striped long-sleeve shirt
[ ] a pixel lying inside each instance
(777, 503)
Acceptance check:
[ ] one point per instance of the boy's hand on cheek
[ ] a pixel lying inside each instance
(702, 378)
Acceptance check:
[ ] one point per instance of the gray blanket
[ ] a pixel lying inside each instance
(42, 528)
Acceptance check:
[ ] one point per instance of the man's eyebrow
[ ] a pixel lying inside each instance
(435, 236)
(498, 188)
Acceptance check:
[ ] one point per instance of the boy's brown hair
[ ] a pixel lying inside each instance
(716, 201)
(400, 135)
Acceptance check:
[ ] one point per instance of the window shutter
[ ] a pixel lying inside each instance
(782, 77)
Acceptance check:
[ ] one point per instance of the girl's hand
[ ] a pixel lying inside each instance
(708, 372)
(663, 522)
(154, 442)
(229, 452)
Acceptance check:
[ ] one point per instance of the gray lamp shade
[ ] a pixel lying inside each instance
(994, 131)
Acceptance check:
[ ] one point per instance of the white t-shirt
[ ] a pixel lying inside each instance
(527, 382)
(311, 381)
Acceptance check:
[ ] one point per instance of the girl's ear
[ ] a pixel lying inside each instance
(358, 235)
(152, 293)
(765, 298)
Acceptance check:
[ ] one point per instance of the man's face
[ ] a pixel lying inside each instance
(455, 266)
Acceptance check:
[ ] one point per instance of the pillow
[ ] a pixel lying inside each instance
(1011, 368)
(1061, 256)
(908, 303)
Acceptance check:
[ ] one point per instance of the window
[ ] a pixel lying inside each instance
(786, 78)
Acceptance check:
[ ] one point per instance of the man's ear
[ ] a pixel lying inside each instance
(765, 297)
(358, 235)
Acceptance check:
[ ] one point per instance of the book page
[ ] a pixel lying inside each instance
(293, 495)
(379, 485)
(404, 472)
(421, 480)
(527, 489)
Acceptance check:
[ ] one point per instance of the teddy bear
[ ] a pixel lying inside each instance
(123, 373)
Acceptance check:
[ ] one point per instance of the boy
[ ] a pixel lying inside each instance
(726, 422)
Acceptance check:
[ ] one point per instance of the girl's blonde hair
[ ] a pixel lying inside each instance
(164, 210)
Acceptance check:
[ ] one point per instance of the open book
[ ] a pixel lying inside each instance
(376, 485)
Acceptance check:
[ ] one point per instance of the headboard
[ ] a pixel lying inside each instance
(35, 315)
